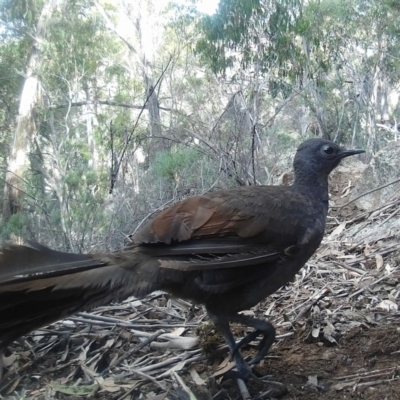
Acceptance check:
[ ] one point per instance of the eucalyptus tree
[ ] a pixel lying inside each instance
(102, 102)
(71, 153)
(338, 57)
(58, 167)
(29, 21)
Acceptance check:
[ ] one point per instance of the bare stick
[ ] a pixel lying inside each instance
(371, 284)
(243, 389)
(135, 349)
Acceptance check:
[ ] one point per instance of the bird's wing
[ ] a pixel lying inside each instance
(237, 213)
(223, 231)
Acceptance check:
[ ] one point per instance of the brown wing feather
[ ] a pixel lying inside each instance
(200, 217)
(241, 213)
(178, 222)
(230, 261)
(187, 229)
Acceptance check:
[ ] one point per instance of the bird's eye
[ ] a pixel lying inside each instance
(328, 150)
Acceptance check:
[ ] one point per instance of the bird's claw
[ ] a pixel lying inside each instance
(256, 359)
(244, 373)
(245, 341)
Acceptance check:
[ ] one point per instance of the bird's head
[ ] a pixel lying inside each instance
(318, 157)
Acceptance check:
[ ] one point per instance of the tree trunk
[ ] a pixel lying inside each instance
(317, 102)
(143, 56)
(25, 131)
(146, 33)
(89, 110)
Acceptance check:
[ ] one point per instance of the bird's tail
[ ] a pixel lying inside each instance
(39, 286)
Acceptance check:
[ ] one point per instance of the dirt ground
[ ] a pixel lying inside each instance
(363, 365)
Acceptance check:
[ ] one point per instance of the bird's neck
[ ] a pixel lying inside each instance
(312, 184)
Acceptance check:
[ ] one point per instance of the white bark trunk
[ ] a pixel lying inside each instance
(25, 131)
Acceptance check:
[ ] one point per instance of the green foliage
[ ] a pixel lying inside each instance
(172, 164)
(294, 62)
(77, 50)
(13, 227)
(22, 15)
(290, 38)
(243, 33)
(282, 142)
(73, 179)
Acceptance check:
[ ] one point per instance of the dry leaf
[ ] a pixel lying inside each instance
(135, 303)
(341, 386)
(177, 332)
(109, 343)
(329, 332)
(337, 231)
(185, 388)
(76, 391)
(225, 369)
(387, 305)
(176, 342)
(379, 261)
(225, 364)
(177, 367)
(7, 361)
(83, 356)
(312, 380)
(14, 385)
(315, 332)
(161, 396)
(109, 385)
(388, 268)
(348, 257)
(248, 312)
(197, 379)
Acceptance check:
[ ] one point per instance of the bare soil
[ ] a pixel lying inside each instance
(363, 365)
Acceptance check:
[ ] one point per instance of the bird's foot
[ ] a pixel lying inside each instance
(243, 372)
(263, 349)
(263, 346)
(261, 327)
(245, 341)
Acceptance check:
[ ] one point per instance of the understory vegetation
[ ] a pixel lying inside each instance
(112, 110)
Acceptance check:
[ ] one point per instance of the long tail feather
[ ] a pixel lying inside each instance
(39, 286)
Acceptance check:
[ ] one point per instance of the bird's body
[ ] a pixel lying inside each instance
(227, 250)
(253, 251)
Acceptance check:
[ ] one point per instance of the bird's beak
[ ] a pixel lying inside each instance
(348, 153)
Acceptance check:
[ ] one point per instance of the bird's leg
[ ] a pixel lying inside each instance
(261, 327)
(221, 324)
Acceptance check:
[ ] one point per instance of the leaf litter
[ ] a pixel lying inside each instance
(338, 333)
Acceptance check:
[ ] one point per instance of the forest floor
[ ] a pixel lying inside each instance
(338, 333)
